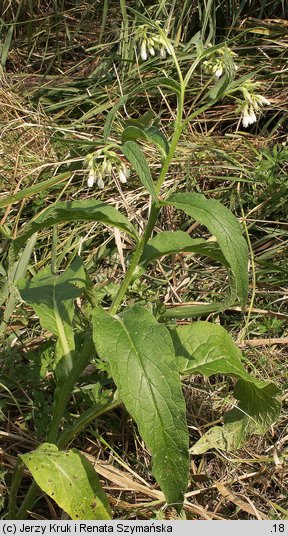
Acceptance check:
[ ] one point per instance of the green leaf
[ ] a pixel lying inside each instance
(156, 136)
(167, 82)
(70, 480)
(9, 292)
(258, 408)
(142, 362)
(35, 189)
(111, 115)
(150, 134)
(222, 223)
(139, 163)
(52, 298)
(150, 84)
(70, 211)
(154, 83)
(169, 242)
(6, 45)
(193, 311)
(208, 348)
(144, 120)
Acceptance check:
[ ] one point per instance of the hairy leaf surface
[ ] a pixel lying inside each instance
(142, 361)
(70, 480)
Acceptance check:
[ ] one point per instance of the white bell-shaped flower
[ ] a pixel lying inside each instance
(143, 50)
(91, 178)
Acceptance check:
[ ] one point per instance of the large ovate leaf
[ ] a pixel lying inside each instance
(169, 242)
(142, 362)
(207, 348)
(52, 298)
(225, 227)
(70, 480)
(139, 163)
(70, 211)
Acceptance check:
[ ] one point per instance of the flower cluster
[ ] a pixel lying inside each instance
(151, 42)
(100, 165)
(221, 60)
(252, 103)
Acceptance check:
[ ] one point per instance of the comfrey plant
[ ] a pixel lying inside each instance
(144, 355)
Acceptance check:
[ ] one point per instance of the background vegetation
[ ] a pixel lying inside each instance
(64, 65)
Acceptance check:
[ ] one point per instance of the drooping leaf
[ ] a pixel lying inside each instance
(208, 348)
(142, 362)
(219, 88)
(52, 298)
(111, 116)
(169, 242)
(70, 480)
(70, 211)
(32, 190)
(144, 120)
(150, 134)
(224, 226)
(258, 408)
(169, 83)
(139, 163)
